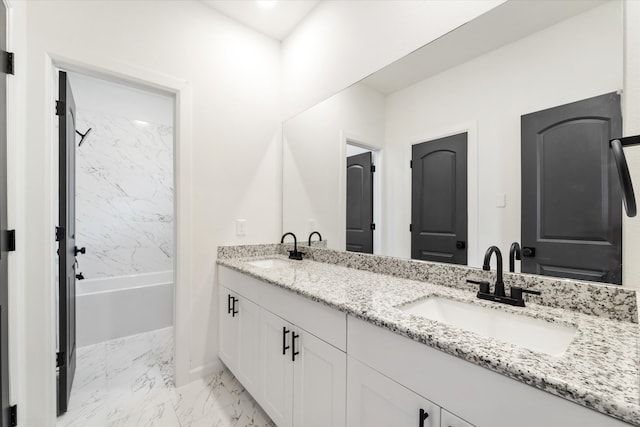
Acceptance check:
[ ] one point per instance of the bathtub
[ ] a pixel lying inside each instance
(114, 307)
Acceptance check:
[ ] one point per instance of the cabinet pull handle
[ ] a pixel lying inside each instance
(423, 416)
(229, 297)
(294, 337)
(234, 311)
(285, 347)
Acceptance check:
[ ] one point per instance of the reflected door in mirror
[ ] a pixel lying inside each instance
(571, 201)
(360, 203)
(439, 200)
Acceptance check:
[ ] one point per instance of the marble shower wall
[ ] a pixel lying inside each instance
(124, 196)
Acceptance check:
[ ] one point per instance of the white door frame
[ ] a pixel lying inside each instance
(115, 70)
(348, 138)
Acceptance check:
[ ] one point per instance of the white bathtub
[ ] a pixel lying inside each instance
(115, 307)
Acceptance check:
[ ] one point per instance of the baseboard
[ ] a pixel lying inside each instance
(206, 370)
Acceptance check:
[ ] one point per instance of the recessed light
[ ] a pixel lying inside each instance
(267, 4)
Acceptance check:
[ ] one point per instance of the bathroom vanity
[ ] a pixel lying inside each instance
(326, 344)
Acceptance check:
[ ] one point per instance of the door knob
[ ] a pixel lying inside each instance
(460, 244)
(79, 276)
(82, 250)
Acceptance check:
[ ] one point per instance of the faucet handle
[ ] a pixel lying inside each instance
(484, 285)
(516, 292)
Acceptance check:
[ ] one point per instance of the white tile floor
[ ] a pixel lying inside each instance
(129, 382)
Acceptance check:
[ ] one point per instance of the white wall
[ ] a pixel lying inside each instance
(234, 74)
(564, 63)
(314, 160)
(341, 42)
(124, 179)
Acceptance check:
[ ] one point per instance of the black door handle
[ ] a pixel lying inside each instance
(294, 353)
(285, 347)
(233, 307)
(423, 416)
(79, 276)
(528, 252)
(82, 250)
(460, 244)
(229, 297)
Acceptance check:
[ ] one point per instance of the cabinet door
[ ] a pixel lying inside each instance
(276, 397)
(450, 420)
(248, 339)
(227, 329)
(319, 378)
(374, 400)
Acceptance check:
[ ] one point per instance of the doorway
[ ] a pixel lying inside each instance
(360, 199)
(123, 141)
(439, 200)
(573, 227)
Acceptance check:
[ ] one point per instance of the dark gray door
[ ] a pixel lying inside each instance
(439, 200)
(4, 278)
(360, 203)
(571, 201)
(66, 249)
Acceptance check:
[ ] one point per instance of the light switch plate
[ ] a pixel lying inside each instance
(241, 227)
(501, 200)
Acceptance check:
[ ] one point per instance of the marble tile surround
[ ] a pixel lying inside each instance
(609, 301)
(124, 196)
(129, 382)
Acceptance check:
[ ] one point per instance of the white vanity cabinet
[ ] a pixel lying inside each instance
(303, 376)
(239, 337)
(298, 377)
(377, 401)
(291, 355)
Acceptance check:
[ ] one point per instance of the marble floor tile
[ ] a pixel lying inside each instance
(128, 382)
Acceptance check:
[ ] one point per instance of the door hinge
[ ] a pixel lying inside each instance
(60, 108)
(13, 415)
(410, 227)
(410, 164)
(8, 63)
(373, 226)
(373, 168)
(11, 240)
(59, 234)
(60, 359)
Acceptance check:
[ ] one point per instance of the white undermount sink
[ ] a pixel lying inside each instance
(524, 331)
(269, 263)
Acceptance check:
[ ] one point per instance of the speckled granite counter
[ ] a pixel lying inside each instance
(599, 370)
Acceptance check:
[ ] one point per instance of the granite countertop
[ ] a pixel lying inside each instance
(600, 368)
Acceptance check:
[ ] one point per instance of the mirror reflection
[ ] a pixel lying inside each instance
(495, 133)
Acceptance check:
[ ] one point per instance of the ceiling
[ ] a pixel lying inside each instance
(275, 19)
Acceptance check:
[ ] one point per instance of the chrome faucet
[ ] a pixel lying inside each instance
(514, 254)
(294, 254)
(311, 235)
(499, 288)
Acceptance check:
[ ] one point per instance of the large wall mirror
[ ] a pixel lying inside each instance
(492, 134)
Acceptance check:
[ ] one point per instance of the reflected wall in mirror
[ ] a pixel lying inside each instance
(521, 57)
